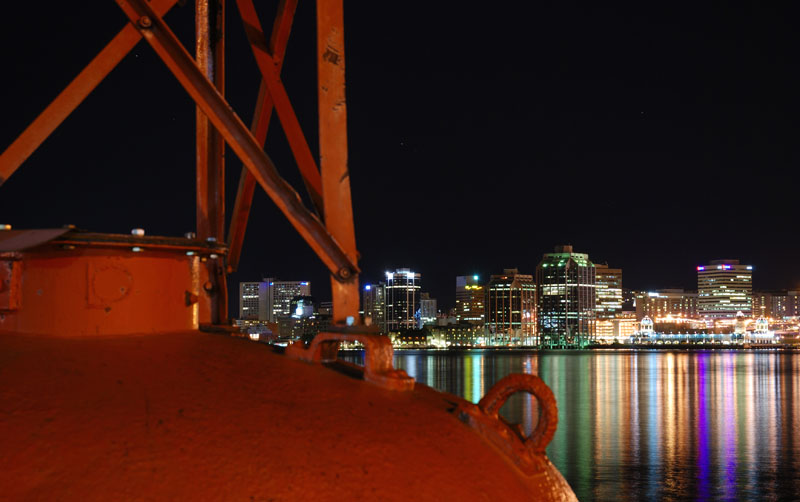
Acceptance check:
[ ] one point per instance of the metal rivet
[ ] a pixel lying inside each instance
(145, 22)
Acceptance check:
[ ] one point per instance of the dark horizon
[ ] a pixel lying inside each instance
(652, 138)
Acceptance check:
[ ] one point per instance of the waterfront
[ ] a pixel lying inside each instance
(697, 425)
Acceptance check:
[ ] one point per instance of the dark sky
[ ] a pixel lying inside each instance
(653, 137)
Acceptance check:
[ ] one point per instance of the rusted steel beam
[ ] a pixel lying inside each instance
(241, 141)
(72, 96)
(210, 146)
(333, 148)
(283, 106)
(260, 125)
(210, 57)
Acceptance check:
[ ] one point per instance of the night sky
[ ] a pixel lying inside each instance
(654, 138)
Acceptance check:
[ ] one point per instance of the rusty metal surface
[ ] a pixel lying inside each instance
(259, 127)
(526, 453)
(378, 356)
(96, 239)
(18, 240)
(10, 283)
(69, 99)
(180, 63)
(333, 149)
(198, 416)
(86, 289)
(210, 145)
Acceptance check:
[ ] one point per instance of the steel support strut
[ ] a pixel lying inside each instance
(210, 56)
(280, 99)
(333, 148)
(341, 263)
(73, 95)
(260, 125)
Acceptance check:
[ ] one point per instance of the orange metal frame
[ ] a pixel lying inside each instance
(203, 78)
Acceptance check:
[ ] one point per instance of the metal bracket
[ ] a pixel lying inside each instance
(378, 356)
(528, 453)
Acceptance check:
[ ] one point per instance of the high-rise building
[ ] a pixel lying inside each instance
(470, 296)
(794, 303)
(724, 288)
(374, 304)
(566, 297)
(402, 299)
(762, 304)
(427, 310)
(253, 301)
(511, 309)
(280, 295)
(774, 304)
(662, 303)
(608, 291)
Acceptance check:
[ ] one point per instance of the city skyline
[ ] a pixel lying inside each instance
(447, 296)
(633, 131)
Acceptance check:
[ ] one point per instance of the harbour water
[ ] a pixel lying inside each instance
(657, 425)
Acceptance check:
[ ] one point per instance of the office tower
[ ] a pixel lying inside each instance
(427, 310)
(566, 298)
(470, 295)
(774, 304)
(608, 291)
(253, 301)
(510, 311)
(402, 299)
(724, 288)
(280, 295)
(662, 303)
(373, 300)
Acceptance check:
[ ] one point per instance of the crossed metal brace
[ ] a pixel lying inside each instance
(336, 251)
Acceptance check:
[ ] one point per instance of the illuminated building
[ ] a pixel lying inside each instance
(566, 298)
(469, 300)
(402, 302)
(618, 329)
(724, 288)
(661, 303)
(775, 304)
(794, 303)
(302, 306)
(646, 327)
(280, 295)
(373, 300)
(427, 310)
(461, 334)
(762, 304)
(608, 291)
(253, 304)
(511, 308)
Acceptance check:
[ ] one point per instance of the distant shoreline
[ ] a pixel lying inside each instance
(612, 348)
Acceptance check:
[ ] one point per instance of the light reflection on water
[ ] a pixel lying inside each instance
(656, 425)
